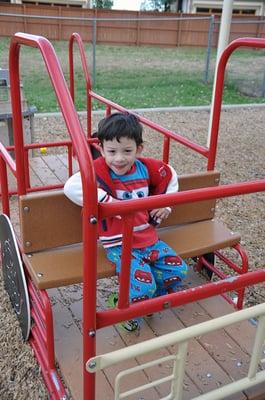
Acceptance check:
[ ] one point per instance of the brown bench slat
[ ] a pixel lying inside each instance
(203, 237)
(200, 210)
(63, 266)
(48, 219)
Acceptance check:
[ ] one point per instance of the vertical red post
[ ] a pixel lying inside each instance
(166, 149)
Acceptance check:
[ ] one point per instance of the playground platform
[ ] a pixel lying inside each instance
(213, 360)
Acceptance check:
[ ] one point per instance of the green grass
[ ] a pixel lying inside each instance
(139, 77)
(153, 92)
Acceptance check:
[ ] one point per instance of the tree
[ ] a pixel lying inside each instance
(156, 5)
(102, 3)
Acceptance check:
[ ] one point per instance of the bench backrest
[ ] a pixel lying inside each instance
(197, 211)
(48, 219)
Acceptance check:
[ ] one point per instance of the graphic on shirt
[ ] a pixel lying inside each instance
(146, 177)
(125, 194)
(133, 185)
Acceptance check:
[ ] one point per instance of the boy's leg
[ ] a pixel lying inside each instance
(142, 281)
(168, 268)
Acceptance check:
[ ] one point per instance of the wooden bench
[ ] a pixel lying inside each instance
(51, 233)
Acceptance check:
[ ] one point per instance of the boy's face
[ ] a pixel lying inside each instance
(120, 156)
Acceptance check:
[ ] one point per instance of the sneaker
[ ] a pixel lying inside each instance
(130, 325)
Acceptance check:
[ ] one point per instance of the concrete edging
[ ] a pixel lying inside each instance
(163, 109)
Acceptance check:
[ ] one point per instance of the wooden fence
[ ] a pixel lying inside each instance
(121, 27)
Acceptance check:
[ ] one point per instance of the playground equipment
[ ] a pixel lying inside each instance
(57, 246)
(6, 125)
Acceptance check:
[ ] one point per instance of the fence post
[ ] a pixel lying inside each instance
(258, 27)
(94, 43)
(60, 23)
(138, 29)
(209, 48)
(25, 19)
(179, 31)
(263, 86)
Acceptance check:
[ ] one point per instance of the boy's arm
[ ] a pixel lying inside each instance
(73, 190)
(159, 214)
(173, 185)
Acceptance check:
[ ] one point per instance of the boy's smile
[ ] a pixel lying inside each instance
(120, 156)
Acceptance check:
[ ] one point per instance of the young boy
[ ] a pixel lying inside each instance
(122, 174)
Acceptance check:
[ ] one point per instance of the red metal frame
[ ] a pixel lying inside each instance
(238, 304)
(242, 42)
(42, 339)
(76, 37)
(42, 332)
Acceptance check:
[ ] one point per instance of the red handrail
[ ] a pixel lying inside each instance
(189, 196)
(217, 102)
(166, 132)
(209, 153)
(112, 105)
(81, 149)
(185, 296)
(76, 37)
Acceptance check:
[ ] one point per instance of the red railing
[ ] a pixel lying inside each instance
(76, 37)
(110, 105)
(83, 155)
(217, 103)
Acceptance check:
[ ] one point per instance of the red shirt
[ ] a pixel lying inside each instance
(147, 177)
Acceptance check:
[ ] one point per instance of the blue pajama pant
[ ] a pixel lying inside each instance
(154, 270)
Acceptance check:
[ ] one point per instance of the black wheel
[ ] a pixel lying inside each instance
(13, 274)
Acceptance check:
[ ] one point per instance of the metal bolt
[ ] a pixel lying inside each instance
(93, 220)
(39, 274)
(92, 364)
(166, 304)
(28, 244)
(26, 208)
(91, 333)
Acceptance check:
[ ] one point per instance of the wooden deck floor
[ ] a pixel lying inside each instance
(213, 359)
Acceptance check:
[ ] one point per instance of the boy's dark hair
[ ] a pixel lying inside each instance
(119, 125)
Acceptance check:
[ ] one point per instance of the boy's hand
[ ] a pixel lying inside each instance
(158, 214)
